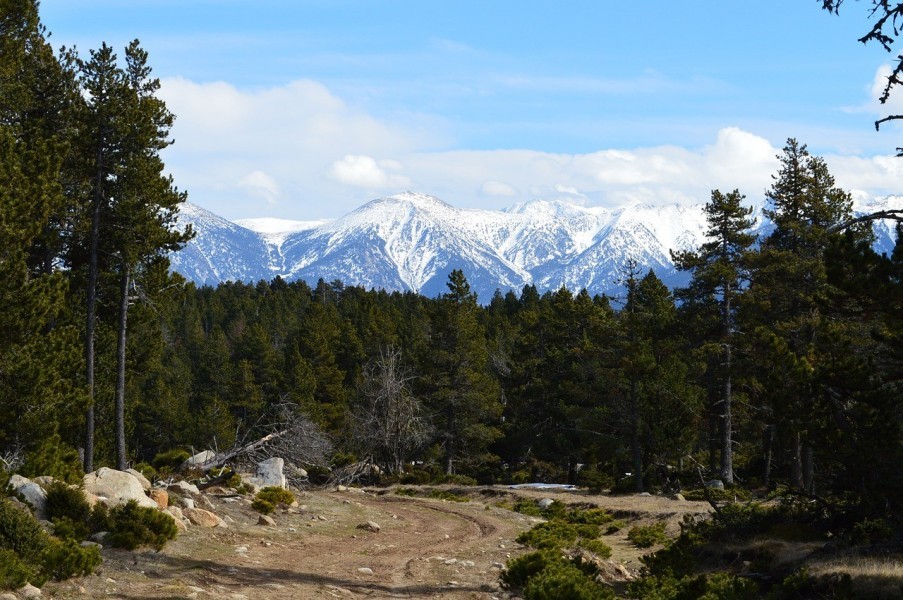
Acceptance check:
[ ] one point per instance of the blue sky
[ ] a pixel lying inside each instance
(306, 109)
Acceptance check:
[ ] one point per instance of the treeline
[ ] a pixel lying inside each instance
(781, 361)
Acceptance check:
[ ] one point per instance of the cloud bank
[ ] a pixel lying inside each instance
(299, 151)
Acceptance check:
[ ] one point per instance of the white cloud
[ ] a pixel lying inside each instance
(299, 151)
(498, 189)
(366, 172)
(260, 185)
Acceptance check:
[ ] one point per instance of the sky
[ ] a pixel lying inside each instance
(307, 109)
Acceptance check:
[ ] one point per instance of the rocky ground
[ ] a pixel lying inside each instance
(425, 548)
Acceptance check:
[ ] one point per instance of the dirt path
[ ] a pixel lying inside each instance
(425, 548)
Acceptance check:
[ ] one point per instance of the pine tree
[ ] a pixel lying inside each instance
(719, 273)
(465, 396)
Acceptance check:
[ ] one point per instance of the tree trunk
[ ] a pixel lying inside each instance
(796, 467)
(91, 310)
(120, 369)
(635, 438)
(808, 468)
(767, 451)
(727, 457)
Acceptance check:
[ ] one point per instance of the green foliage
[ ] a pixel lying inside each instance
(405, 492)
(133, 526)
(564, 581)
(65, 558)
(13, 572)
(557, 534)
(731, 494)
(717, 586)
(171, 459)
(262, 506)
(34, 555)
(519, 570)
(594, 480)
(448, 496)
(67, 502)
(597, 547)
(147, 470)
(276, 495)
(646, 536)
(52, 457)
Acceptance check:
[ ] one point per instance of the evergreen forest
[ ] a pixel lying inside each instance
(780, 364)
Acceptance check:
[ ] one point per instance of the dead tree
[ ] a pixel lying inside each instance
(387, 423)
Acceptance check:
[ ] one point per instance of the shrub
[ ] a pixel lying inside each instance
(556, 534)
(405, 492)
(521, 569)
(66, 558)
(646, 536)
(594, 480)
(171, 459)
(457, 480)
(564, 581)
(732, 494)
(597, 547)
(262, 506)
(276, 495)
(29, 553)
(448, 496)
(55, 458)
(147, 470)
(21, 533)
(13, 572)
(65, 502)
(527, 507)
(133, 526)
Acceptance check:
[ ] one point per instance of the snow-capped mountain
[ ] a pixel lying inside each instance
(413, 241)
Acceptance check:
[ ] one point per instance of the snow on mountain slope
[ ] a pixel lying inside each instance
(221, 250)
(413, 241)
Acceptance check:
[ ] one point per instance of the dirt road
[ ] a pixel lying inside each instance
(425, 548)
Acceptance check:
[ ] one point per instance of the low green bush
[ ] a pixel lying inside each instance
(456, 480)
(557, 534)
(448, 496)
(731, 494)
(519, 570)
(262, 506)
(276, 495)
(597, 547)
(63, 559)
(66, 501)
(133, 526)
(30, 554)
(563, 581)
(13, 572)
(646, 536)
(171, 459)
(405, 492)
(147, 470)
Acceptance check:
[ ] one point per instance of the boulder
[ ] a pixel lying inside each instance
(33, 494)
(715, 484)
(118, 487)
(545, 503)
(175, 511)
(680, 497)
(145, 484)
(266, 521)
(370, 526)
(200, 459)
(269, 473)
(161, 497)
(201, 517)
(183, 487)
(187, 503)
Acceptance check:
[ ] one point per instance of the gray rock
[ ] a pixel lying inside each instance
(680, 498)
(183, 487)
(545, 503)
(370, 526)
(33, 494)
(187, 503)
(269, 473)
(30, 591)
(100, 537)
(266, 521)
(200, 458)
(118, 487)
(365, 571)
(145, 484)
(715, 484)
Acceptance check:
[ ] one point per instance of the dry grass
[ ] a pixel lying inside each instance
(872, 577)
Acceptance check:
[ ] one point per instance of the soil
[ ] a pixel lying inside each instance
(425, 548)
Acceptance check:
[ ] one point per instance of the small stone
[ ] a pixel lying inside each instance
(110, 581)
(498, 565)
(188, 503)
(30, 591)
(100, 537)
(647, 494)
(90, 544)
(370, 526)
(266, 521)
(241, 550)
(450, 561)
(680, 498)
(545, 503)
(161, 497)
(468, 563)
(365, 571)
(341, 488)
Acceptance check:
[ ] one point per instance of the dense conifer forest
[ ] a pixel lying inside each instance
(781, 363)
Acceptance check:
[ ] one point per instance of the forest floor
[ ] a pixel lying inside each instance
(426, 548)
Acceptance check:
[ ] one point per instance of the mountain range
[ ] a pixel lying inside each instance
(412, 241)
